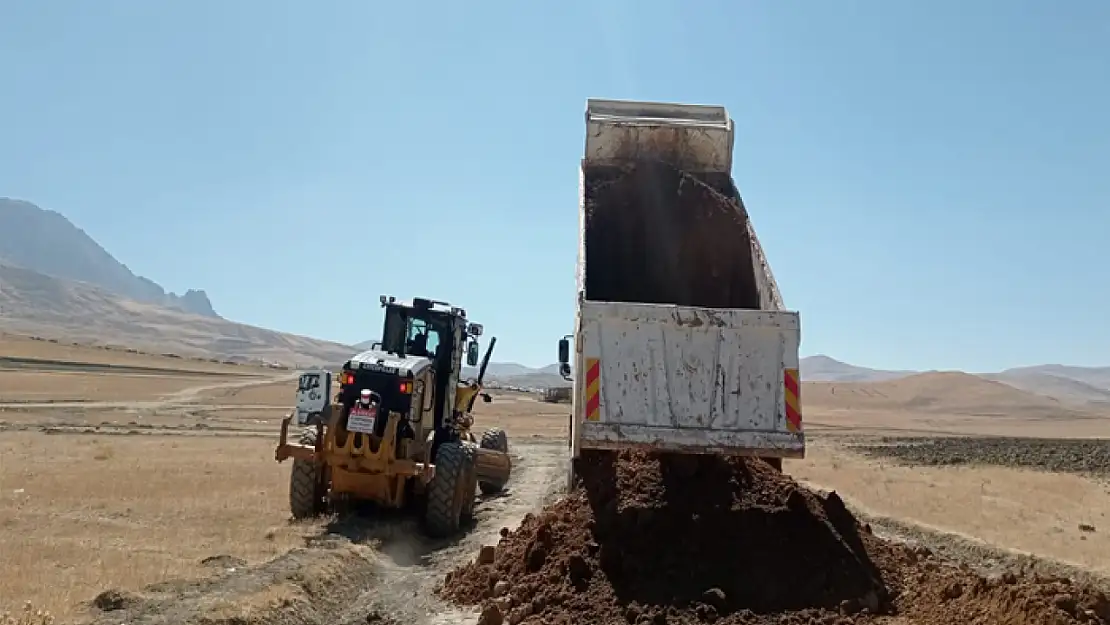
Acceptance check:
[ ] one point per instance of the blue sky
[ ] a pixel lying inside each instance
(929, 179)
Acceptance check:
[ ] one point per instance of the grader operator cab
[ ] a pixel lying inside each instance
(398, 431)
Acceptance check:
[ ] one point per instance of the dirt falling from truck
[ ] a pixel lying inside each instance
(731, 542)
(657, 235)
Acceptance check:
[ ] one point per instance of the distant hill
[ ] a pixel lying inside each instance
(948, 392)
(1068, 384)
(822, 368)
(1098, 377)
(46, 242)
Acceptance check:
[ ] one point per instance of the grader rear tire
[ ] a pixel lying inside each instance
(496, 440)
(306, 498)
(448, 490)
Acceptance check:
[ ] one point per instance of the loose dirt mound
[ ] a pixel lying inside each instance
(657, 235)
(650, 541)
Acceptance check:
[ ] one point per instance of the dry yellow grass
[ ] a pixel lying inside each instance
(79, 514)
(1027, 511)
(18, 346)
(279, 394)
(522, 416)
(40, 386)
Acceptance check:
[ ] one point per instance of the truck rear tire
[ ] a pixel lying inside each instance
(306, 488)
(454, 463)
(494, 439)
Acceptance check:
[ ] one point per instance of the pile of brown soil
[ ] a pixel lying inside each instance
(657, 235)
(644, 540)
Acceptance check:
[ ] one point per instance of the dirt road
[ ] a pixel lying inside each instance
(170, 400)
(358, 568)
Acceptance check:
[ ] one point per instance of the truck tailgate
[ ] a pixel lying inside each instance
(686, 379)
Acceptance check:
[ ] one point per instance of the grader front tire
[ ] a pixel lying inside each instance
(494, 439)
(306, 498)
(470, 500)
(449, 489)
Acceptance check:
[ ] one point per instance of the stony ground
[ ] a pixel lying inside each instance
(1081, 456)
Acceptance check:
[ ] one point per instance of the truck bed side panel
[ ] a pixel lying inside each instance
(686, 379)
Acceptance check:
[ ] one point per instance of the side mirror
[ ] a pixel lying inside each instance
(564, 370)
(472, 354)
(564, 351)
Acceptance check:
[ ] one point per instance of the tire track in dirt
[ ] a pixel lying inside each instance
(358, 569)
(416, 565)
(170, 400)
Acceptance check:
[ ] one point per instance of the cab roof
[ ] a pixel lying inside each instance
(421, 303)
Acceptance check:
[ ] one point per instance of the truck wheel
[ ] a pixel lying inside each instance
(306, 489)
(494, 439)
(448, 490)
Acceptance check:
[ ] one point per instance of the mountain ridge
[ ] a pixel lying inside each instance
(47, 242)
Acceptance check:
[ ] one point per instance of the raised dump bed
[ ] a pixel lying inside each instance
(682, 342)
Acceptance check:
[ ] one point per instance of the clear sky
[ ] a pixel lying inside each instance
(929, 179)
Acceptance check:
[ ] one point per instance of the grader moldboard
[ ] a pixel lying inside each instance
(398, 432)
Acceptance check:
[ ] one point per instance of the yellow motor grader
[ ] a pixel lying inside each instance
(398, 431)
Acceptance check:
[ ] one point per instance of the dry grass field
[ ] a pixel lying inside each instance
(81, 514)
(119, 478)
(1024, 510)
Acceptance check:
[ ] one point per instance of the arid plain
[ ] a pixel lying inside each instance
(119, 470)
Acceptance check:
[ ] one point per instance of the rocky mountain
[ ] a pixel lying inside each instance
(45, 242)
(36, 304)
(56, 282)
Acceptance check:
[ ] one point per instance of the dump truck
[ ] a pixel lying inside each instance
(682, 344)
(398, 432)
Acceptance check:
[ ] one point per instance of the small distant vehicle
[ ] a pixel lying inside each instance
(398, 430)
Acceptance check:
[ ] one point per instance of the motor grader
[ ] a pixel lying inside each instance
(398, 431)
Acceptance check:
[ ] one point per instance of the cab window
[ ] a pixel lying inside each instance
(421, 339)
